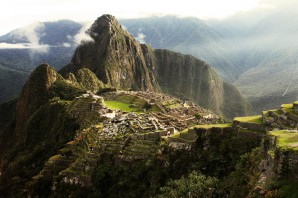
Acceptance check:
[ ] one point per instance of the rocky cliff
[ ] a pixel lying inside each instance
(187, 77)
(120, 61)
(114, 56)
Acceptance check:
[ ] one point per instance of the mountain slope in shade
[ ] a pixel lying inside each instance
(120, 61)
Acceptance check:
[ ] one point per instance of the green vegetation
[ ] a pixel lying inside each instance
(287, 106)
(187, 135)
(171, 104)
(64, 90)
(129, 103)
(194, 185)
(286, 139)
(88, 80)
(242, 180)
(116, 105)
(250, 119)
(277, 112)
(289, 189)
(209, 126)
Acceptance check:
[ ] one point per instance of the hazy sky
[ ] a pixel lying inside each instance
(18, 13)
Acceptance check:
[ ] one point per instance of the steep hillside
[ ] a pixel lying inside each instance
(189, 78)
(23, 49)
(120, 61)
(114, 56)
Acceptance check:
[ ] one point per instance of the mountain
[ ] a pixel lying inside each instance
(271, 60)
(120, 61)
(22, 49)
(254, 50)
(188, 36)
(75, 135)
(114, 56)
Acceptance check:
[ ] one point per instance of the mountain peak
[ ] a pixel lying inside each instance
(106, 24)
(115, 57)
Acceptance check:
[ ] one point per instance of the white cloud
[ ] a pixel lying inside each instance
(82, 36)
(32, 33)
(141, 38)
(66, 45)
(13, 46)
(39, 48)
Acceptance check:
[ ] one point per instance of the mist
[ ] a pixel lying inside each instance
(30, 39)
(82, 36)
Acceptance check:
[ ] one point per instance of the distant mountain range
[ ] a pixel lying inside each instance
(255, 52)
(23, 49)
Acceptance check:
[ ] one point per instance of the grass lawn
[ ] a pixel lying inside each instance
(286, 139)
(250, 119)
(209, 126)
(115, 105)
(287, 106)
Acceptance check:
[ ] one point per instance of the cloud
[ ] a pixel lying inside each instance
(141, 38)
(23, 46)
(82, 35)
(66, 45)
(31, 32)
(31, 35)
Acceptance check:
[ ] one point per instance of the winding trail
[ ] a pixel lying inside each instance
(291, 80)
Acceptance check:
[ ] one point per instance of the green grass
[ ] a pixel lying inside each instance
(187, 135)
(250, 119)
(174, 106)
(129, 103)
(286, 139)
(295, 103)
(171, 104)
(277, 112)
(287, 106)
(116, 105)
(209, 126)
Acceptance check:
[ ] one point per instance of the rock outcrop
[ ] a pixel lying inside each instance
(189, 78)
(114, 56)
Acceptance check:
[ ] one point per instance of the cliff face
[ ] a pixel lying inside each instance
(119, 60)
(187, 77)
(115, 57)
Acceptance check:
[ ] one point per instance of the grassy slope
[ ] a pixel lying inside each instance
(286, 139)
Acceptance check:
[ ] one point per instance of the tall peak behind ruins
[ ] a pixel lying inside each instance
(115, 57)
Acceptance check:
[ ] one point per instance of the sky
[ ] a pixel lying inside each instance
(19, 13)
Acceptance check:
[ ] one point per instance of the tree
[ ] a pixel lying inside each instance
(195, 185)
